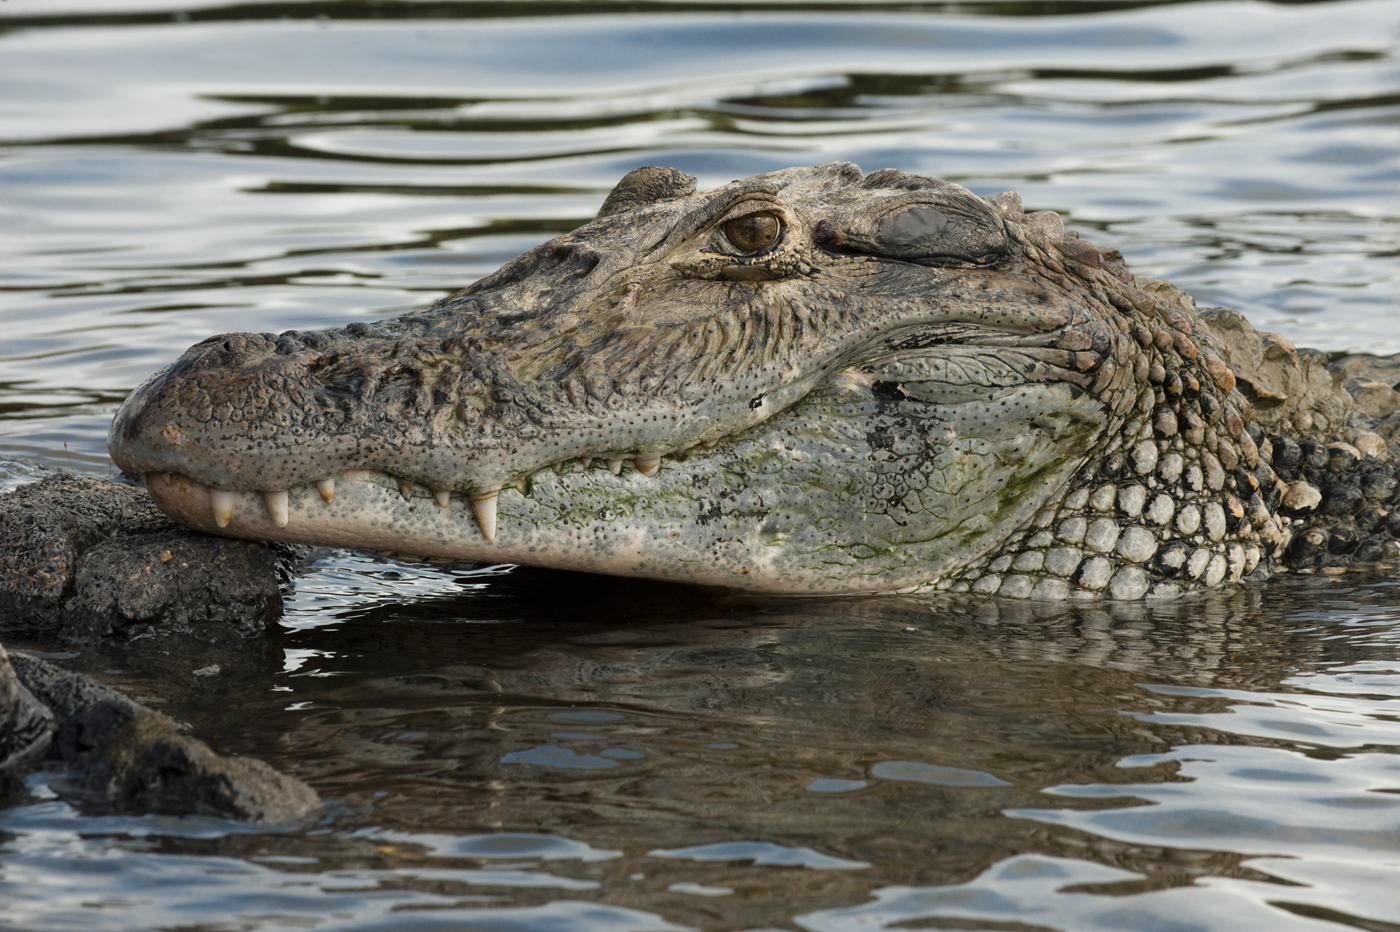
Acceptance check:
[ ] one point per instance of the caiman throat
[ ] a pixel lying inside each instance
(811, 381)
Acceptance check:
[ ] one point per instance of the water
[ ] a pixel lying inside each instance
(518, 749)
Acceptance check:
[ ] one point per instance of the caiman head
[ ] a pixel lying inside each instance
(807, 381)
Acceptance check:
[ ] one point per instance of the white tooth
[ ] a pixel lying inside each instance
(222, 504)
(443, 496)
(484, 507)
(647, 465)
(327, 489)
(521, 485)
(405, 489)
(276, 507)
(614, 466)
(556, 467)
(585, 461)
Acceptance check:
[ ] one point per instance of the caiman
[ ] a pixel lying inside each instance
(810, 381)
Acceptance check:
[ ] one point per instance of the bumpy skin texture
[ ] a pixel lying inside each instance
(819, 381)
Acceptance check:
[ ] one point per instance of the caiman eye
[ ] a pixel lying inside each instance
(753, 233)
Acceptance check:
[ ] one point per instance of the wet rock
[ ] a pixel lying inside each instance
(26, 727)
(44, 529)
(122, 755)
(96, 558)
(175, 580)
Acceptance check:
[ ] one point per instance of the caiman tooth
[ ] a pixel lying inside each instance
(585, 461)
(327, 489)
(484, 507)
(521, 485)
(443, 497)
(276, 503)
(614, 466)
(556, 467)
(405, 489)
(222, 505)
(647, 465)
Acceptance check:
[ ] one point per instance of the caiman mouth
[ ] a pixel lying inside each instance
(293, 513)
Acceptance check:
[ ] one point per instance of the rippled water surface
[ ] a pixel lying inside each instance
(518, 749)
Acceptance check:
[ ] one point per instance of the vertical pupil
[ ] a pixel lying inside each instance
(752, 233)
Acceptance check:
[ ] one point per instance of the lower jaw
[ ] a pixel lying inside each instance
(369, 513)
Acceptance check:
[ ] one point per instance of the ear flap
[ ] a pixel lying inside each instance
(648, 185)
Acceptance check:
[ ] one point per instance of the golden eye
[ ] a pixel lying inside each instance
(753, 233)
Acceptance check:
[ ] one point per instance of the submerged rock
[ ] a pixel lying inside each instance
(120, 754)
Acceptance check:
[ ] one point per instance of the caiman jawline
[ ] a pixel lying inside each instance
(224, 504)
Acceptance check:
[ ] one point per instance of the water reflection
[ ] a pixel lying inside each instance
(1224, 758)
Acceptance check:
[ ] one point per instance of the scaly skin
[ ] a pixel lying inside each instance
(817, 381)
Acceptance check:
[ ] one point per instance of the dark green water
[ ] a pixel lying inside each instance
(519, 749)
